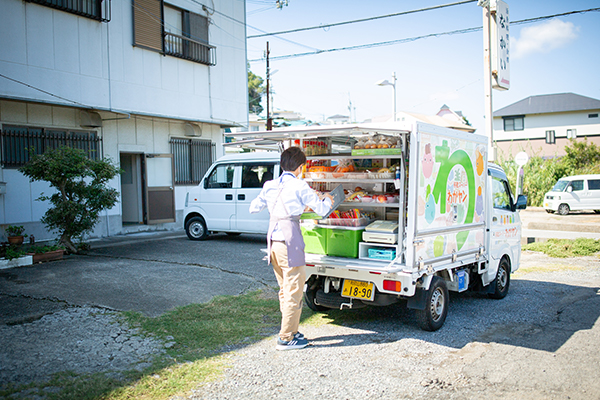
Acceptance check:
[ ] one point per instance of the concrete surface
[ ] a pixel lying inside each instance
(153, 272)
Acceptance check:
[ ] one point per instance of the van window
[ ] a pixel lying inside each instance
(501, 194)
(255, 175)
(577, 185)
(594, 184)
(221, 176)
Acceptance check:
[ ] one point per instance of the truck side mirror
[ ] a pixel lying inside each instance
(569, 189)
(521, 202)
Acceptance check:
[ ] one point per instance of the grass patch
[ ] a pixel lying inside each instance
(547, 268)
(200, 332)
(564, 248)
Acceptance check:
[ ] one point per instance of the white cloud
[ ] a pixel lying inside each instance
(543, 38)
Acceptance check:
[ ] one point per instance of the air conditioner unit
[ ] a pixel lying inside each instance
(89, 119)
(192, 130)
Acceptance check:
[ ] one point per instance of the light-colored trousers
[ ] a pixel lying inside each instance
(291, 288)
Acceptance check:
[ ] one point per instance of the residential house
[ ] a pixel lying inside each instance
(150, 84)
(542, 125)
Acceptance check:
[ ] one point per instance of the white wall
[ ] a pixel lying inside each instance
(535, 126)
(94, 64)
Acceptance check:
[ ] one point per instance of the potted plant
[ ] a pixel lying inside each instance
(15, 234)
(46, 253)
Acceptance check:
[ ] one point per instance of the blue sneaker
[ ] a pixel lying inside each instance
(295, 343)
(299, 335)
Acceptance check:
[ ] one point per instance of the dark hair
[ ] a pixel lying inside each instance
(292, 158)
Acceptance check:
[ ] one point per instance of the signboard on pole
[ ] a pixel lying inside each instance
(500, 43)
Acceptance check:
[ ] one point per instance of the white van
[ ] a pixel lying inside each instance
(579, 192)
(221, 201)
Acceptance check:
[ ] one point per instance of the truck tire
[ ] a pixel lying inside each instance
(196, 229)
(563, 209)
(436, 306)
(309, 297)
(502, 281)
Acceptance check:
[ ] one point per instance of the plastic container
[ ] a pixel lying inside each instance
(343, 241)
(315, 239)
(352, 222)
(379, 253)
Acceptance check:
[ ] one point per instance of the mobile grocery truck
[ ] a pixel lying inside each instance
(424, 214)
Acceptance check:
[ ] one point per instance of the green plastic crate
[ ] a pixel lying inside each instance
(315, 239)
(342, 241)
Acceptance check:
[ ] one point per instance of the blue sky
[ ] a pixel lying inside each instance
(550, 56)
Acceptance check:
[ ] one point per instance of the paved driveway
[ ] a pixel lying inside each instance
(147, 273)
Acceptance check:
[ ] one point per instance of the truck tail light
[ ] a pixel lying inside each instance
(393, 286)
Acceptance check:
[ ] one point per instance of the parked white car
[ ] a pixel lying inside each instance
(579, 192)
(221, 201)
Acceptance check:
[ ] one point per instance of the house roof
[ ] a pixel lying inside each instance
(549, 103)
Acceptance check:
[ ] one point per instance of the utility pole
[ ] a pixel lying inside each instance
(269, 119)
(487, 78)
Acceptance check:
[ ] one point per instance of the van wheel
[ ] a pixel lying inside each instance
(196, 229)
(502, 281)
(563, 209)
(436, 306)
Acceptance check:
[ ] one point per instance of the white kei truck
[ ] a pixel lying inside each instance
(431, 216)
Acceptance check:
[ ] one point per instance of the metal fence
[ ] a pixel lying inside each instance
(94, 9)
(19, 144)
(192, 158)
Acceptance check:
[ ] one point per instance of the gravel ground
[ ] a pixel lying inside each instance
(539, 342)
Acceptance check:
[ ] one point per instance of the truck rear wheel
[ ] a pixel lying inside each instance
(436, 306)
(502, 281)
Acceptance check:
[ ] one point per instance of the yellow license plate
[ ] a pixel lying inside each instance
(358, 289)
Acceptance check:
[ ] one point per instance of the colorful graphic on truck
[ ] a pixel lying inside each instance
(451, 194)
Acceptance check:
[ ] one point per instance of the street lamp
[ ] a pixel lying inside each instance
(385, 82)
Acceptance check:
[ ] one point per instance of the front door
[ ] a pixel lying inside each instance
(254, 176)
(218, 198)
(506, 224)
(131, 188)
(159, 188)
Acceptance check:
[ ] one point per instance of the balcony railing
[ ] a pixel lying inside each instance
(94, 9)
(189, 49)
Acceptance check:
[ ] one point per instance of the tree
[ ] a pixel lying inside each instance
(81, 190)
(255, 92)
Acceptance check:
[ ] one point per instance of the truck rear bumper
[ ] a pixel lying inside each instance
(363, 270)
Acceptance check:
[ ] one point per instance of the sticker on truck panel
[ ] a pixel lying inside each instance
(451, 193)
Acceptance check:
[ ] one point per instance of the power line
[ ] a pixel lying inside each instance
(414, 38)
(43, 91)
(362, 20)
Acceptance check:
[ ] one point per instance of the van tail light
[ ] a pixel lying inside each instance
(393, 286)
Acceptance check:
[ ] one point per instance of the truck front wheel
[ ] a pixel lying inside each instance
(436, 306)
(502, 281)
(196, 229)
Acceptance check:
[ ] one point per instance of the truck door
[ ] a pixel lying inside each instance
(506, 223)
